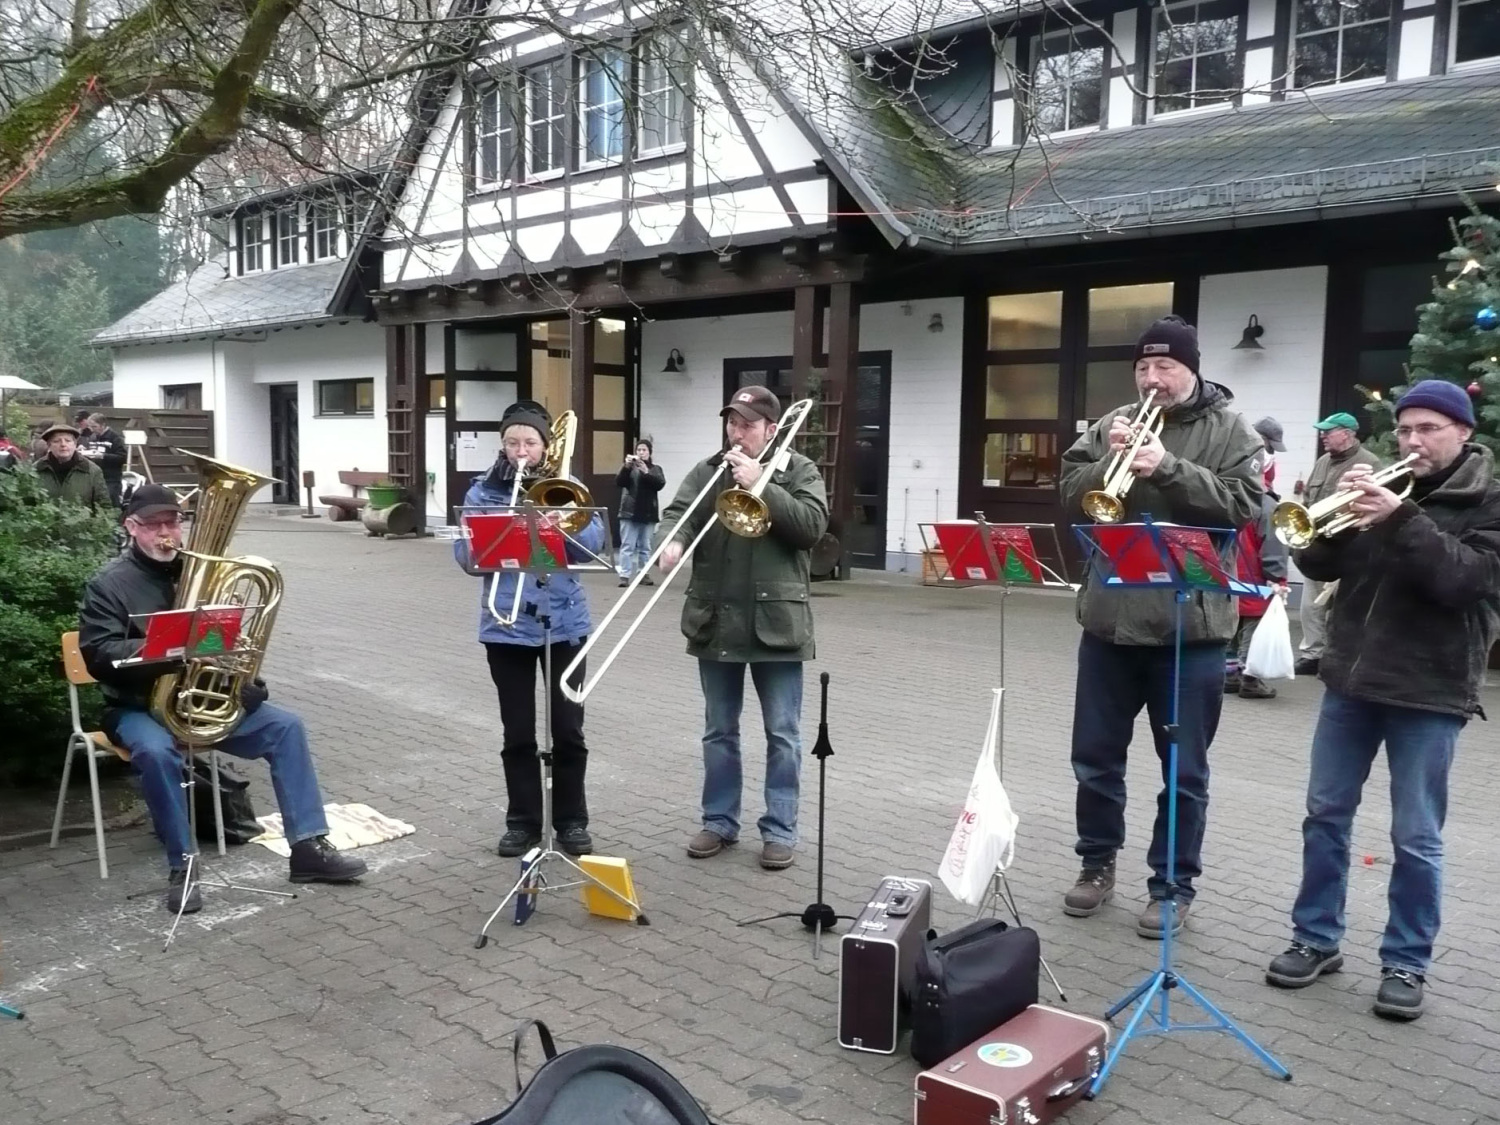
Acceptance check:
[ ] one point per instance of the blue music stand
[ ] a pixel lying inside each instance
(1183, 559)
(11, 1013)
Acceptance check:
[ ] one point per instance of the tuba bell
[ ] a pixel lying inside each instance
(200, 705)
(556, 489)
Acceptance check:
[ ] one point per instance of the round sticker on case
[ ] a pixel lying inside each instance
(1006, 1055)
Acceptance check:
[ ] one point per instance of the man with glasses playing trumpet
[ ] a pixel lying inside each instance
(1182, 456)
(1409, 636)
(747, 605)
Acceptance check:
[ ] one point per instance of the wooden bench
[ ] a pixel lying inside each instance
(341, 508)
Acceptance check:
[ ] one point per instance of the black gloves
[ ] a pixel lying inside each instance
(253, 695)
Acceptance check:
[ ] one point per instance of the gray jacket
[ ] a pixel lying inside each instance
(1210, 477)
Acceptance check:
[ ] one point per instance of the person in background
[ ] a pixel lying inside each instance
(1342, 450)
(1273, 435)
(68, 475)
(106, 448)
(8, 446)
(640, 479)
(1261, 559)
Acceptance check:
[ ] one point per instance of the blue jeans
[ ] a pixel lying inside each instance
(1114, 683)
(635, 546)
(1419, 748)
(268, 732)
(779, 685)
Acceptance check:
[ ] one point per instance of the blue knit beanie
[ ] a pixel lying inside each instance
(1438, 394)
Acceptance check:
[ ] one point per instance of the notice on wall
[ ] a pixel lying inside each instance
(474, 452)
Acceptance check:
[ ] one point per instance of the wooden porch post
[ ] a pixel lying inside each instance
(843, 388)
(581, 350)
(405, 414)
(807, 338)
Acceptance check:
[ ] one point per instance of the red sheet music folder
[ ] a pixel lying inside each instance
(502, 541)
(1137, 561)
(182, 634)
(968, 561)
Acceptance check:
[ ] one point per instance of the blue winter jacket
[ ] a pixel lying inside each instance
(568, 604)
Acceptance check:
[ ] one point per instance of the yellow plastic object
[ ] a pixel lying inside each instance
(615, 874)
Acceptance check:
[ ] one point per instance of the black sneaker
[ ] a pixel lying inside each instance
(517, 842)
(1400, 996)
(575, 840)
(1093, 889)
(1301, 964)
(175, 882)
(1232, 683)
(1306, 666)
(318, 861)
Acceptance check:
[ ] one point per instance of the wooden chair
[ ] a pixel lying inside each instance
(92, 744)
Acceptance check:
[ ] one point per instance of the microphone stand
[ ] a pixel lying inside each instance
(819, 917)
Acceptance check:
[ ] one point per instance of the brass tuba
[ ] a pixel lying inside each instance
(556, 489)
(200, 705)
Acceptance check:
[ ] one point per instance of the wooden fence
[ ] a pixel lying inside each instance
(192, 430)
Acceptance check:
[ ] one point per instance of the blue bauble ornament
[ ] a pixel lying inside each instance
(1487, 318)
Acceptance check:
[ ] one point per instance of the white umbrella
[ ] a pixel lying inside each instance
(12, 383)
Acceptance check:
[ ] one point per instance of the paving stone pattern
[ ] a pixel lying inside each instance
(369, 1004)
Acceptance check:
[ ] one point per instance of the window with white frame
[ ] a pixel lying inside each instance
(288, 234)
(1339, 41)
(661, 91)
(255, 242)
(1066, 90)
(325, 224)
(601, 110)
(1198, 60)
(1476, 30)
(496, 134)
(546, 116)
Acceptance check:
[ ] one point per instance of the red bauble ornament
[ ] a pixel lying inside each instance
(1475, 390)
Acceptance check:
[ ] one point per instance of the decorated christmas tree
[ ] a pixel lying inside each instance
(1458, 332)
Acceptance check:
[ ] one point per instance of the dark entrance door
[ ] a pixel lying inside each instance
(284, 443)
(870, 461)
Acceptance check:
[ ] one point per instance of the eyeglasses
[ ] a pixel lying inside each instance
(1426, 429)
(161, 523)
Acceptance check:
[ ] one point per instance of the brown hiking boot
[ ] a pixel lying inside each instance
(1253, 687)
(774, 856)
(1148, 925)
(1096, 883)
(705, 844)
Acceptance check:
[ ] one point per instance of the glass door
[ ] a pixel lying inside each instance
(486, 380)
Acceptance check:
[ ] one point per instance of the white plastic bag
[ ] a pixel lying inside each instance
(1270, 656)
(984, 840)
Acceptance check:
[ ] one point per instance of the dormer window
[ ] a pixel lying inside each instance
(1337, 41)
(601, 130)
(1066, 90)
(327, 231)
(288, 235)
(1476, 31)
(255, 242)
(1197, 55)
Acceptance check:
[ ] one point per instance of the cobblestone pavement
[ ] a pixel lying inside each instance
(370, 1004)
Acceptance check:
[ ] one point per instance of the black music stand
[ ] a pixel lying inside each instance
(536, 553)
(1158, 556)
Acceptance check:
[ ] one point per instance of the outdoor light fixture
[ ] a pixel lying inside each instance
(936, 323)
(1250, 338)
(675, 363)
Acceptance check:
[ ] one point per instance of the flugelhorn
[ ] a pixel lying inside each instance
(1297, 525)
(1107, 503)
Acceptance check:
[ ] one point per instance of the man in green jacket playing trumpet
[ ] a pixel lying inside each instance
(747, 604)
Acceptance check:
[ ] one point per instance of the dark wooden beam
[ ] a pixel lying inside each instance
(807, 338)
(566, 280)
(732, 260)
(795, 251)
(581, 347)
(614, 272)
(670, 266)
(842, 386)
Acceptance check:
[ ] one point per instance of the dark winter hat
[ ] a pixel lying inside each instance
(1172, 337)
(152, 500)
(1440, 395)
(1270, 429)
(751, 403)
(527, 412)
(59, 428)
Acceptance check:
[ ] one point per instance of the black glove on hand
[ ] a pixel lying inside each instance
(253, 695)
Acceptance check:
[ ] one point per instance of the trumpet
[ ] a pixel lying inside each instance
(1107, 504)
(1298, 525)
(746, 515)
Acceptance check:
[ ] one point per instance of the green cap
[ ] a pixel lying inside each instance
(1339, 421)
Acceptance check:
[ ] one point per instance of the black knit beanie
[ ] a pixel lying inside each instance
(1173, 337)
(527, 412)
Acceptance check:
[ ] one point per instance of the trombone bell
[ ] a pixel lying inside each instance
(743, 513)
(560, 492)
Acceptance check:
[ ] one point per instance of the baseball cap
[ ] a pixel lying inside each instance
(754, 402)
(152, 500)
(1270, 429)
(1339, 421)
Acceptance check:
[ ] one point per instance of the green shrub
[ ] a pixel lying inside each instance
(47, 553)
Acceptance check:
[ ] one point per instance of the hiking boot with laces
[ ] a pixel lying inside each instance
(1301, 964)
(1096, 883)
(1400, 996)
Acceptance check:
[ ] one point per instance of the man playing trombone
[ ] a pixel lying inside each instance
(1201, 470)
(1409, 636)
(747, 604)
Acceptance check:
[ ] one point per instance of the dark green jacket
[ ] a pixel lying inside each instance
(79, 480)
(748, 598)
(1210, 477)
(1329, 469)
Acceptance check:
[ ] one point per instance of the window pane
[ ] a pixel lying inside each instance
(1022, 390)
(482, 400)
(1478, 31)
(609, 341)
(1392, 294)
(609, 450)
(1317, 59)
(1174, 84)
(1020, 460)
(1380, 369)
(1109, 383)
(1088, 86)
(1026, 320)
(1218, 78)
(437, 396)
(364, 396)
(1364, 51)
(1315, 14)
(609, 398)
(1119, 314)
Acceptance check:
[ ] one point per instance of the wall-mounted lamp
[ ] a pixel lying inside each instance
(64, 399)
(1250, 338)
(675, 363)
(936, 323)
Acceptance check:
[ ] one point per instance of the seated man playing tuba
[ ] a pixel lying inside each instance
(143, 580)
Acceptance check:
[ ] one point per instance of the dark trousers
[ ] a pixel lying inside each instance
(1114, 683)
(514, 669)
